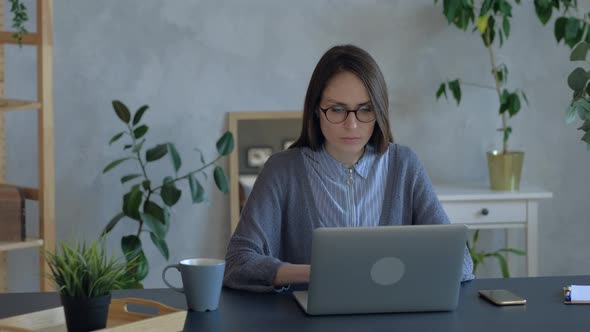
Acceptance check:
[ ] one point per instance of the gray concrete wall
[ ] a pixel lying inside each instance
(194, 61)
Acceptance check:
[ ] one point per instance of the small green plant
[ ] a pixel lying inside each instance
(479, 256)
(81, 270)
(148, 202)
(19, 12)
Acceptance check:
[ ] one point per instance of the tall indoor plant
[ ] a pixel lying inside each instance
(492, 21)
(148, 202)
(84, 277)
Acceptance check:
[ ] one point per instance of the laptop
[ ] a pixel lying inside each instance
(384, 269)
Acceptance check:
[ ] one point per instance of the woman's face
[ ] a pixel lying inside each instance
(345, 141)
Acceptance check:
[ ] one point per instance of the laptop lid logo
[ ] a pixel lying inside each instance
(387, 271)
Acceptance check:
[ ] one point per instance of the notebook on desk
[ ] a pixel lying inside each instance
(384, 269)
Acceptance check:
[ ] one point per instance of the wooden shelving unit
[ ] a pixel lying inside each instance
(45, 193)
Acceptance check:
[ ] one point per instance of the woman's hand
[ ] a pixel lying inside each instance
(292, 274)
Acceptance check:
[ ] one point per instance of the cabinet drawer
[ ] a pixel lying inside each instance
(478, 212)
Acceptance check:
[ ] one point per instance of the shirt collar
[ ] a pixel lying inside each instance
(362, 166)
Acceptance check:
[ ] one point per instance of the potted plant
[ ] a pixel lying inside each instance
(148, 202)
(84, 277)
(492, 21)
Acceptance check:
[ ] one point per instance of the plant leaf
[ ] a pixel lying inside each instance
(174, 157)
(482, 23)
(577, 79)
(156, 227)
(170, 194)
(129, 177)
(131, 246)
(197, 191)
(442, 89)
(543, 10)
(109, 227)
(122, 111)
(156, 152)
(140, 131)
(220, 179)
(157, 212)
(131, 203)
(503, 265)
(116, 137)
(161, 245)
(559, 28)
(579, 53)
(114, 164)
(456, 90)
(139, 114)
(571, 114)
(225, 144)
(514, 251)
(506, 26)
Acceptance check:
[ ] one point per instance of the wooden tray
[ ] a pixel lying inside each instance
(119, 319)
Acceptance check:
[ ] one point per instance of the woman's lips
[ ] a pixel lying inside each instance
(350, 139)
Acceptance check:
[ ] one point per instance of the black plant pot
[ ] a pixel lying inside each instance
(85, 314)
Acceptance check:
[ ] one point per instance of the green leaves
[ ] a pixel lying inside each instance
(579, 52)
(479, 256)
(139, 114)
(543, 10)
(136, 260)
(220, 179)
(509, 102)
(455, 88)
(577, 79)
(156, 152)
(122, 111)
(114, 164)
(225, 144)
(140, 131)
(174, 157)
(170, 194)
(132, 202)
(197, 191)
(155, 214)
(81, 270)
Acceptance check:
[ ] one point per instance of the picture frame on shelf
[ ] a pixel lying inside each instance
(258, 155)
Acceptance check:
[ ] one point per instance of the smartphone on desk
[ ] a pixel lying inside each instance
(501, 297)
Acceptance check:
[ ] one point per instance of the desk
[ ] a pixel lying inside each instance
(479, 207)
(242, 311)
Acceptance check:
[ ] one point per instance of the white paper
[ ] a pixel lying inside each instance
(580, 293)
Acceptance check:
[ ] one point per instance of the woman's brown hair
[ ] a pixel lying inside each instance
(346, 58)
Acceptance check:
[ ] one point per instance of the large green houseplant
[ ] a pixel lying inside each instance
(84, 277)
(578, 82)
(148, 202)
(492, 21)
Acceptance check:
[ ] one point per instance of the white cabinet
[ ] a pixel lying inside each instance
(481, 208)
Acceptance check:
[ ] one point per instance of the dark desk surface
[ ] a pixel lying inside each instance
(242, 311)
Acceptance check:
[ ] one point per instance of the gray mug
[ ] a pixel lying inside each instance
(202, 279)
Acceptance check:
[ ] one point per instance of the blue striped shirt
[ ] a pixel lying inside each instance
(347, 196)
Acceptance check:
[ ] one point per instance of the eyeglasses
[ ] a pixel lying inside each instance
(339, 114)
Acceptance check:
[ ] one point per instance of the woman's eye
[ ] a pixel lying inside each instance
(338, 109)
(365, 110)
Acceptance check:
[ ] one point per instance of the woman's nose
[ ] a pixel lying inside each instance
(350, 121)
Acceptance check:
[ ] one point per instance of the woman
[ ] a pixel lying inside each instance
(343, 171)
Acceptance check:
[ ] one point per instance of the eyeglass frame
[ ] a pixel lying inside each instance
(325, 110)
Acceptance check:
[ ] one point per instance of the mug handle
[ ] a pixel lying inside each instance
(176, 266)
